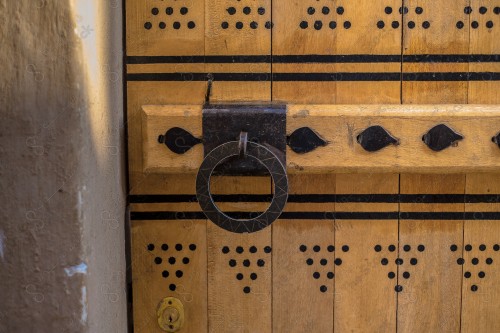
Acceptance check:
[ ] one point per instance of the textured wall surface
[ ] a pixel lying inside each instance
(62, 188)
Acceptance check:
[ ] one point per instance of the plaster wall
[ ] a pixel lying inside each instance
(62, 179)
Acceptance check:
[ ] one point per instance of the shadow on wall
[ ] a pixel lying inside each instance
(62, 254)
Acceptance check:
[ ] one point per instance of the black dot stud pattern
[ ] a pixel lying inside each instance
(155, 11)
(165, 274)
(378, 248)
(467, 275)
(158, 260)
(151, 247)
(398, 288)
(323, 289)
(391, 275)
(388, 10)
(247, 262)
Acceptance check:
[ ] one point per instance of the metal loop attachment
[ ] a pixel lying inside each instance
(265, 156)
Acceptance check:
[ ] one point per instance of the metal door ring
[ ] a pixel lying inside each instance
(267, 158)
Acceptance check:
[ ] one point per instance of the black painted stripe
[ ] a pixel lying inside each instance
(326, 198)
(317, 77)
(316, 58)
(171, 215)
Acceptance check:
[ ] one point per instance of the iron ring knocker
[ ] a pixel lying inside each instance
(267, 158)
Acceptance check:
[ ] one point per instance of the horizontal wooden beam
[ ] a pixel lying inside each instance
(339, 126)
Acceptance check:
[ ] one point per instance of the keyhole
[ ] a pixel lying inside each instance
(171, 314)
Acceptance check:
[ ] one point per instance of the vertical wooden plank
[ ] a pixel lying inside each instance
(484, 20)
(169, 259)
(366, 235)
(239, 265)
(240, 33)
(429, 273)
(432, 39)
(303, 258)
(329, 50)
(481, 278)
(480, 286)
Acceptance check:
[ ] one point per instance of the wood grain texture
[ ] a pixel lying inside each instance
(161, 268)
(340, 125)
(165, 28)
(239, 303)
(303, 262)
(365, 299)
(440, 37)
(430, 276)
(481, 279)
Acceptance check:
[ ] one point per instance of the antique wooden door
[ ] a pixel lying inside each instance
(386, 229)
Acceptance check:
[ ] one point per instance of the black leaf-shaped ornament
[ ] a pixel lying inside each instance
(441, 137)
(496, 139)
(178, 140)
(375, 138)
(304, 140)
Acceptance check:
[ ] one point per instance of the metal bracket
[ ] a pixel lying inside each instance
(264, 124)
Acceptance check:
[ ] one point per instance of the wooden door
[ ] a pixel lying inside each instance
(372, 250)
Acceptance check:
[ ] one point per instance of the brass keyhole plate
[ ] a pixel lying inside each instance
(170, 314)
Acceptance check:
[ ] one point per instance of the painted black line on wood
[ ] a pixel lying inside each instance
(326, 198)
(171, 215)
(316, 58)
(317, 77)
